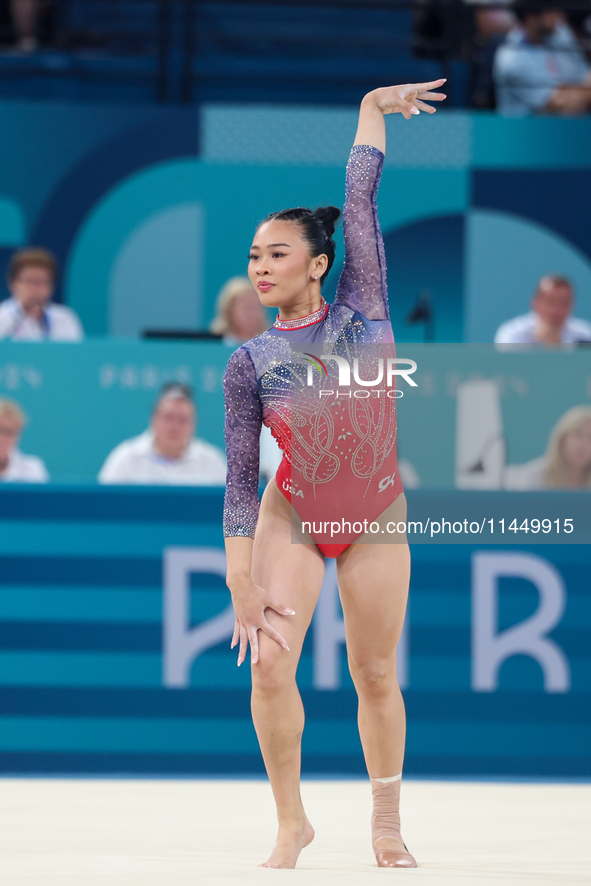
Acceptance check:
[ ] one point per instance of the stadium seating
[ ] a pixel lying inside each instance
(168, 50)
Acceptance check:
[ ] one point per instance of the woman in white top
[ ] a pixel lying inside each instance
(14, 466)
(567, 462)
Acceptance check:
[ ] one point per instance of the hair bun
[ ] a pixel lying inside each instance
(328, 216)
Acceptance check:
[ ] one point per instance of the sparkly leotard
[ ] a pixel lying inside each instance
(325, 478)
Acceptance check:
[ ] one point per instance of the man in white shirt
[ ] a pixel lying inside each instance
(167, 453)
(29, 315)
(15, 467)
(549, 322)
(540, 68)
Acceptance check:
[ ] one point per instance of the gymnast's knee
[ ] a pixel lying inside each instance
(374, 677)
(274, 671)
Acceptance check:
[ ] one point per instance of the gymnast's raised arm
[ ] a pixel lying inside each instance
(362, 285)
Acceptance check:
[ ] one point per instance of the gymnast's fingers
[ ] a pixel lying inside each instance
(431, 84)
(236, 634)
(272, 603)
(406, 107)
(432, 96)
(254, 645)
(423, 107)
(243, 644)
(273, 634)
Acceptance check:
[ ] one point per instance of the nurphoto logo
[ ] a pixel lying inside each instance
(391, 368)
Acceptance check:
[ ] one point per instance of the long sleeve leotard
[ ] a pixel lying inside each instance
(329, 478)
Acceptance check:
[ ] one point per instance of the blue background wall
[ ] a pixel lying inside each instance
(88, 574)
(141, 203)
(83, 685)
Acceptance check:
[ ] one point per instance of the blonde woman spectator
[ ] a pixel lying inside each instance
(30, 315)
(567, 462)
(239, 313)
(14, 466)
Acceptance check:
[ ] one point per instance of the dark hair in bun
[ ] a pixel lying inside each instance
(317, 228)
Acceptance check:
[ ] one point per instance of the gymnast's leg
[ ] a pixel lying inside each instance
(373, 582)
(292, 573)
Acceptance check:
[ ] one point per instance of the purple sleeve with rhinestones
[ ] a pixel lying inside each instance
(242, 432)
(362, 285)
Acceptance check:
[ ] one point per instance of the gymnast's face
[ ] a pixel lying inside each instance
(280, 265)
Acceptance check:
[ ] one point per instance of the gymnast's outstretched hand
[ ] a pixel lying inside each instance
(409, 100)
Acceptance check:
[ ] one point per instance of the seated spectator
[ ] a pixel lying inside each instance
(14, 466)
(549, 322)
(167, 453)
(239, 313)
(567, 462)
(540, 67)
(29, 314)
(491, 26)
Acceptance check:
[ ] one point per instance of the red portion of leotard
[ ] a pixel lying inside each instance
(340, 466)
(283, 480)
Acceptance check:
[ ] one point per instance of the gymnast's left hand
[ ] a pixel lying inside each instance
(409, 99)
(250, 602)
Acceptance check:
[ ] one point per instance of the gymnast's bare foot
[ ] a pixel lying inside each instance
(290, 842)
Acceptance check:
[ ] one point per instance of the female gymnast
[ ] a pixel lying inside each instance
(290, 257)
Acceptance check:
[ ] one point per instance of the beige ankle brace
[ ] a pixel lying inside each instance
(385, 822)
(385, 819)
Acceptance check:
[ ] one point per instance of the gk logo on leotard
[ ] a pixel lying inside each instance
(292, 491)
(385, 482)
